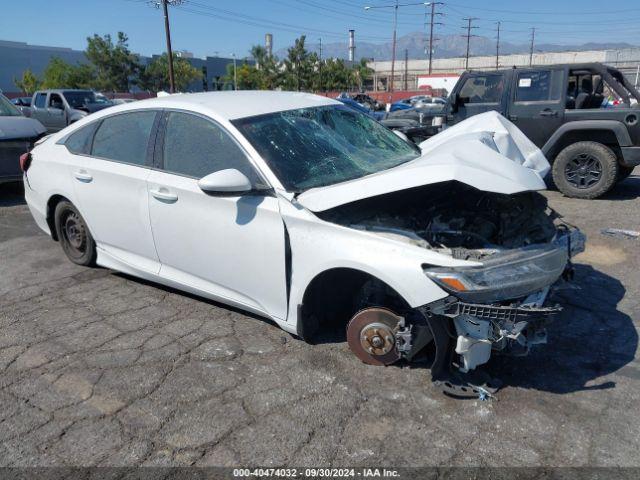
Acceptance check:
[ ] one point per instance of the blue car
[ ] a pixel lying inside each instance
(360, 108)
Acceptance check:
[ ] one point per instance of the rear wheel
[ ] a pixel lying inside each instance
(73, 234)
(585, 170)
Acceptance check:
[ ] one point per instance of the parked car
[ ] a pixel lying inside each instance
(120, 101)
(17, 135)
(56, 109)
(561, 108)
(369, 102)
(23, 104)
(422, 113)
(302, 210)
(411, 128)
(358, 107)
(407, 103)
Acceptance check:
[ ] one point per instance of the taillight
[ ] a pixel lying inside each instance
(25, 161)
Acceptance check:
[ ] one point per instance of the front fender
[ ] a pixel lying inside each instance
(614, 126)
(318, 246)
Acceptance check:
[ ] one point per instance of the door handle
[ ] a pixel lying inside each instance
(547, 112)
(513, 118)
(164, 195)
(83, 176)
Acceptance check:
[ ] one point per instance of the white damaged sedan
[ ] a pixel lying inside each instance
(294, 207)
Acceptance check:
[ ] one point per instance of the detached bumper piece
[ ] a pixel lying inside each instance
(474, 332)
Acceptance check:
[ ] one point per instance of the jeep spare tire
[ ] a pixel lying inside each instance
(585, 170)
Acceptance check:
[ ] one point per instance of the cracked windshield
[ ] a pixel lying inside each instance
(319, 146)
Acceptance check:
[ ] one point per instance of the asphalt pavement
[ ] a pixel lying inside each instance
(97, 368)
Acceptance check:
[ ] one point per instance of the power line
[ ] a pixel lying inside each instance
(529, 12)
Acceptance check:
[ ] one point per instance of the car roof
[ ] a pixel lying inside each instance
(236, 104)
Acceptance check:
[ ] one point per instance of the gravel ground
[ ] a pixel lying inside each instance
(97, 368)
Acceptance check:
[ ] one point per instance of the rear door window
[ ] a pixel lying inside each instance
(538, 86)
(483, 88)
(124, 137)
(55, 101)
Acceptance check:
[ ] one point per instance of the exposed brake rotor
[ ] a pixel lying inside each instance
(371, 335)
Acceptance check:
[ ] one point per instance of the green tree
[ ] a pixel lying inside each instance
(267, 68)
(115, 66)
(60, 74)
(155, 76)
(29, 83)
(336, 75)
(299, 67)
(57, 74)
(362, 72)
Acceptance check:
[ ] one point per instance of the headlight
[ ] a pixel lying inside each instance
(504, 276)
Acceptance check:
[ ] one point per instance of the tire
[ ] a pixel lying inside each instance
(73, 234)
(585, 170)
(623, 173)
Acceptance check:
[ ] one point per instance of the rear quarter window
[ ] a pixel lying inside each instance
(80, 141)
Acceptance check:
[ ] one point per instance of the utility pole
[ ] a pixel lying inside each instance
(468, 35)
(406, 69)
(498, 47)
(431, 24)
(393, 47)
(235, 72)
(533, 39)
(320, 67)
(165, 9)
(395, 27)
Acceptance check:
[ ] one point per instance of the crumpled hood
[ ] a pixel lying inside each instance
(20, 127)
(509, 140)
(470, 158)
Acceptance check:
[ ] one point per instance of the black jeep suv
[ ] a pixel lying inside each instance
(584, 117)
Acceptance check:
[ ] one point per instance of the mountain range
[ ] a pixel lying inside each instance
(417, 44)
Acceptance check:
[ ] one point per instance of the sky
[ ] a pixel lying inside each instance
(225, 27)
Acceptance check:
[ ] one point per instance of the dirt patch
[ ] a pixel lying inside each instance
(602, 255)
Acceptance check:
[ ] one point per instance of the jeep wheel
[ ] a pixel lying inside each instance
(624, 172)
(585, 170)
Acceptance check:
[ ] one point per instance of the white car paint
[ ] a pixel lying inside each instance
(232, 248)
(508, 140)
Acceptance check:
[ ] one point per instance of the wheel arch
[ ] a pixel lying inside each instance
(52, 203)
(332, 297)
(610, 133)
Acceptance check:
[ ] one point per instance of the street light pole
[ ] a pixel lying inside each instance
(395, 27)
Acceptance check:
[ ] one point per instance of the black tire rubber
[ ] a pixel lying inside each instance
(84, 252)
(608, 163)
(624, 172)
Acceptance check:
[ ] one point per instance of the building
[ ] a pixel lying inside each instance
(627, 60)
(16, 57)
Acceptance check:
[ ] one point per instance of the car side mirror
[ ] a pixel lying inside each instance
(226, 182)
(454, 101)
